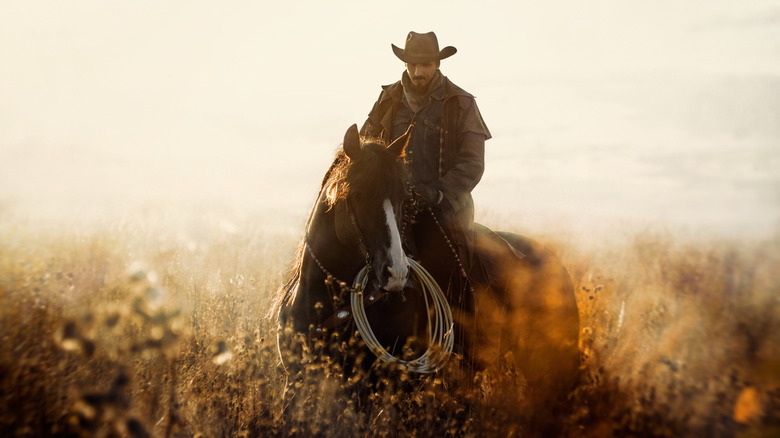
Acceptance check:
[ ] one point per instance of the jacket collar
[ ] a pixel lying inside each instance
(395, 91)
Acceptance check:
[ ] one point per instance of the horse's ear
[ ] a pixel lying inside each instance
(399, 144)
(352, 142)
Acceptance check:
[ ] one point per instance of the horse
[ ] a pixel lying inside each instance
(361, 264)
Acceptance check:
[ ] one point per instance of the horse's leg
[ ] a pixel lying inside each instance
(435, 253)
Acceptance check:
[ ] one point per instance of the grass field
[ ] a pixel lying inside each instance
(146, 329)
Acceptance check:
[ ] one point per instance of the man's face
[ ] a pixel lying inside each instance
(421, 74)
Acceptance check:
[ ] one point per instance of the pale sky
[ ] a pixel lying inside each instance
(231, 99)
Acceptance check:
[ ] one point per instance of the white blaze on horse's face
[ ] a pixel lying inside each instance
(399, 266)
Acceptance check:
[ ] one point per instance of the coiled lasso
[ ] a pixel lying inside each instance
(440, 327)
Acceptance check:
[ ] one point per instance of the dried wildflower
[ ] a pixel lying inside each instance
(749, 406)
(111, 320)
(135, 429)
(221, 354)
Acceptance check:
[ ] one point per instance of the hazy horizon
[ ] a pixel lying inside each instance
(657, 113)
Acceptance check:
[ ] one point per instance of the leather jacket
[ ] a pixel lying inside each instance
(461, 137)
(451, 132)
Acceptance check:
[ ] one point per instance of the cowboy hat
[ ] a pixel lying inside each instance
(421, 48)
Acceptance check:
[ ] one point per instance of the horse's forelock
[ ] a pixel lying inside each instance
(378, 173)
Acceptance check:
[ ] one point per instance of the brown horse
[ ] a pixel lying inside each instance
(515, 296)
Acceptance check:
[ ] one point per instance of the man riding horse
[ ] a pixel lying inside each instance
(445, 155)
(505, 292)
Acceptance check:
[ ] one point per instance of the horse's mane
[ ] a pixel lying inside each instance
(377, 173)
(334, 185)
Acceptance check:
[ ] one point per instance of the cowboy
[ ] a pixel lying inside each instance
(445, 155)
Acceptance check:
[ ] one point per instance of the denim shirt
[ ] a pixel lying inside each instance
(422, 154)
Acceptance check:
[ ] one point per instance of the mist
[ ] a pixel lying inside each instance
(158, 162)
(608, 113)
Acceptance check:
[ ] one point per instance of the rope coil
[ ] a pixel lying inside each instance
(440, 326)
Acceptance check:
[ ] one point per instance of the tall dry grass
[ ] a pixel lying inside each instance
(142, 329)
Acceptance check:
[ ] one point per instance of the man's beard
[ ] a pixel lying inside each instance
(420, 89)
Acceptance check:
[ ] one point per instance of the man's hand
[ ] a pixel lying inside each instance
(428, 194)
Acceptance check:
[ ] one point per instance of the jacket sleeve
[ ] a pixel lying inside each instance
(468, 164)
(372, 127)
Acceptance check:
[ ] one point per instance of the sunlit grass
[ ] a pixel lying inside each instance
(139, 329)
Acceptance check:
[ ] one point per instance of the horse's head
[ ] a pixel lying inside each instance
(373, 190)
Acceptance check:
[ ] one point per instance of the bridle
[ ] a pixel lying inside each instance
(440, 318)
(361, 243)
